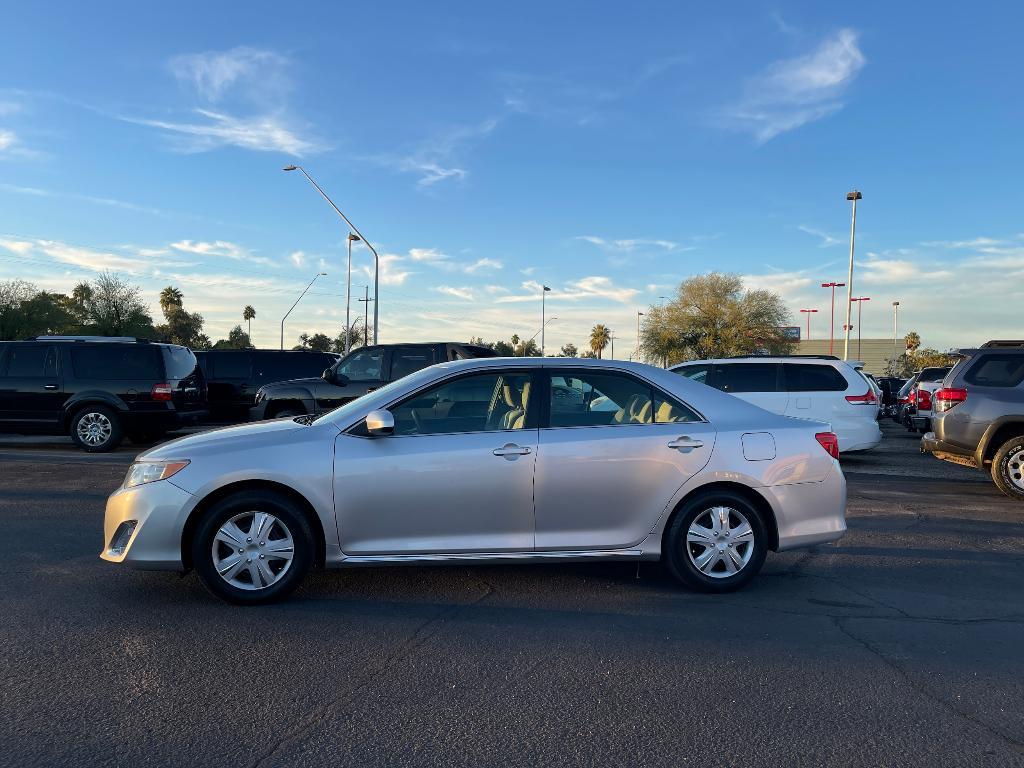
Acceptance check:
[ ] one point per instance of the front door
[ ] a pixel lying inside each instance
(455, 477)
(612, 454)
(30, 389)
(363, 371)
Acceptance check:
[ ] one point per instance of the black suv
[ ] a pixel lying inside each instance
(233, 376)
(361, 371)
(979, 415)
(98, 389)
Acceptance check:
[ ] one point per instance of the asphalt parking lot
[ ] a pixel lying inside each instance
(900, 645)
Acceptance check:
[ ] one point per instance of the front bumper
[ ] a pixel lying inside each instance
(159, 510)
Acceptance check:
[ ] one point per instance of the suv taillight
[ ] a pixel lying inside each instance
(868, 398)
(912, 397)
(947, 397)
(161, 391)
(924, 400)
(829, 442)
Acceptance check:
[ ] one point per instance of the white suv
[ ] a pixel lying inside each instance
(817, 388)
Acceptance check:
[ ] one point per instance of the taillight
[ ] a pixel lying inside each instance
(161, 391)
(924, 400)
(868, 398)
(912, 397)
(829, 442)
(947, 397)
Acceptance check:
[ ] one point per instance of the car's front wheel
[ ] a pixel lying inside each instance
(717, 542)
(1008, 468)
(253, 548)
(96, 429)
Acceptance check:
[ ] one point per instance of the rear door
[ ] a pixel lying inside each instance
(613, 450)
(231, 384)
(758, 383)
(31, 393)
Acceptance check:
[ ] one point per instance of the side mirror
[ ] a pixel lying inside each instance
(327, 375)
(380, 423)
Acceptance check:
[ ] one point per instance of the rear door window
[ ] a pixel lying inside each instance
(30, 361)
(406, 360)
(996, 371)
(746, 377)
(698, 373)
(111, 362)
(804, 377)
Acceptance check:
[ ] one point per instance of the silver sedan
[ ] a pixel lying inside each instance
(488, 460)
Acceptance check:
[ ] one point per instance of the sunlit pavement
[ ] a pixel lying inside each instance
(899, 645)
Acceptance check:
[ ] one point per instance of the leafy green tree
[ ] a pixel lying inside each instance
(600, 336)
(115, 308)
(318, 342)
(713, 315)
(570, 350)
(180, 326)
(356, 337)
(237, 339)
(504, 348)
(14, 295)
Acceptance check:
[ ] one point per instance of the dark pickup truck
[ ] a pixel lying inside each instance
(361, 371)
(979, 415)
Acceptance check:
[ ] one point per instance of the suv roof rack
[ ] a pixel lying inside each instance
(108, 339)
(805, 357)
(997, 343)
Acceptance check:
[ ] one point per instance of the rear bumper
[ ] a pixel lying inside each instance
(809, 513)
(857, 434)
(951, 453)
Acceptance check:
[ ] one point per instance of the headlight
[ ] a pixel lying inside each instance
(142, 472)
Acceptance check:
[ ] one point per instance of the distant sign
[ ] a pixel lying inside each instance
(791, 332)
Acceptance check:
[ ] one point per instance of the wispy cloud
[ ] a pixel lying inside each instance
(482, 265)
(297, 258)
(221, 249)
(463, 292)
(262, 133)
(825, 238)
(393, 270)
(432, 257)
(435, 159)
(793, 92)
(592, 287)
(628, 245)
(213, 73)
(109, 202)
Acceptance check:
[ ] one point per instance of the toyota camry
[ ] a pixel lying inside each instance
(483, 461)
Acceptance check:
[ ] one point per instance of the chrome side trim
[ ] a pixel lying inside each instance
(609, 554)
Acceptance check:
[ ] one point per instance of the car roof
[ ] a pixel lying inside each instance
(812, 359)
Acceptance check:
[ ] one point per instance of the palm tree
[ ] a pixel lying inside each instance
(170, 297)
(913, 342)
(248, 314)
(599, 338)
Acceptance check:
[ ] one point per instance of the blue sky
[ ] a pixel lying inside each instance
(606, 152)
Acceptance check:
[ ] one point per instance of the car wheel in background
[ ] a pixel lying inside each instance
(96, 429)
(252, 548)
(716, 543)
(1008, 468)
(288, 413)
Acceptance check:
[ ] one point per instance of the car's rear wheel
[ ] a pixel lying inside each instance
(96, 429)
(253, 548)
(288, 412)
(1008, 468)
(716, 543)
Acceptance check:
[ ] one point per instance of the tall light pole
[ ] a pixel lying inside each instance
(808, 312)
(895, 333)
(366, 315)
(611, 338)
(348, 295)
(832, 324)
(853, 197)
(543, 322)
(541, 332)
(376, 258)
(318, 274)
(639, 314)
(860, 306)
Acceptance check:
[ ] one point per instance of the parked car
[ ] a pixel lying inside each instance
(818, 387)
(361, 371)
(487, 460)
(98, 389)
(903, 400)
(873, 383)
(979, 415)
(233, 376)
(919, 414)
(890, 386)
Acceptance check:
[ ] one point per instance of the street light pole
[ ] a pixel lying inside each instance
(853, 197)
(366, 315)
(895, 333)
(376, 258)
(808, 312)
(860, 306)
(348, 295)
(832, 324)
(318, 274)
(543, 322)
(639, 314)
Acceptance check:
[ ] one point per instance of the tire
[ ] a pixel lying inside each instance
(1008, 468)
(682, 555)
(96, 429)
(279, 574)
(288, 412)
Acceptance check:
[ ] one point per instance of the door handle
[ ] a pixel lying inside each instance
(511, 449)
(685, 443)
(49, 386)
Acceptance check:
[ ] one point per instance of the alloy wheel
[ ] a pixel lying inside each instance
(720, 542)
(94, 428)
(1015, 468)
(253, 550)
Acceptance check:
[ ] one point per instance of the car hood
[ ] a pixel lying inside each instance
(243, 434)
(288, 383)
